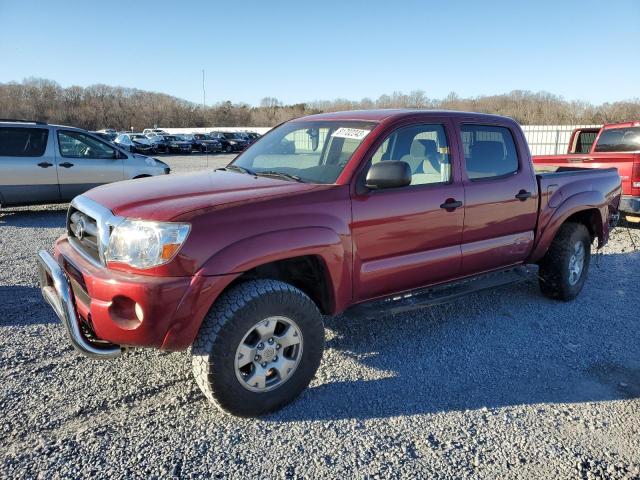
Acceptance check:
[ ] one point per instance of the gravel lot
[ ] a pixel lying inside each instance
(502, 384)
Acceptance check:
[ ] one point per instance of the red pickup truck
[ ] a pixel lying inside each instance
(366, 212)
(614, 145)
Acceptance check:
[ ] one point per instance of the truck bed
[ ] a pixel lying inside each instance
(561, 186)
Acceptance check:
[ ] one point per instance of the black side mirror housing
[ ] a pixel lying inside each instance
(388, 174)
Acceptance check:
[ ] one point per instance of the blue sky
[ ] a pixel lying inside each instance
(301, 51)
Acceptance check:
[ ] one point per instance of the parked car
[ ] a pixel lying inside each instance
(135, 142)
(614, 145)
(107, 133)
(157, 131)
(105, 136)
(203, 143)
(371, 213)
(42, 163)
(230, 142)
(253, 136)
(177, 144)
(160, 144)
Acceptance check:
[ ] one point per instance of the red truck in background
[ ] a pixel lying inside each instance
(614, 145)
(365, 212)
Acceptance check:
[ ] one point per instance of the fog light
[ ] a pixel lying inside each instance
(125, 312)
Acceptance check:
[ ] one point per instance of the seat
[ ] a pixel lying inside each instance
(423, 157)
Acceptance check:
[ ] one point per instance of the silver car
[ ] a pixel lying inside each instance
(42, 163)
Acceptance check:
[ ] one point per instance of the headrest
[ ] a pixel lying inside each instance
(423, 148)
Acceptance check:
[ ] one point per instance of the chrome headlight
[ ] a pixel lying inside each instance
(144, 244)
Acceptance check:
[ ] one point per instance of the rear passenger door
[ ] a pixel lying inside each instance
(85, 162)
(501, 197)
(27, 166)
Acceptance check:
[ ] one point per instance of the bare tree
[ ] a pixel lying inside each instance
(100, 106)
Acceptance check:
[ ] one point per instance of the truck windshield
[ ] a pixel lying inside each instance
(619, 140)
(315, 152)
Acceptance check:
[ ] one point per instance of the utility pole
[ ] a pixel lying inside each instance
(204, 92)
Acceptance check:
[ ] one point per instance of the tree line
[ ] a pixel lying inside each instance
(104, 106)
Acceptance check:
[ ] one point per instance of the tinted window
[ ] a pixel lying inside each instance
(424, 148)
(79, 145)
(619, 140)
(488, 151)
(23, 142)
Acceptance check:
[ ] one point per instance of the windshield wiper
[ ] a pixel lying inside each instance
(281, 174)
(238, 168)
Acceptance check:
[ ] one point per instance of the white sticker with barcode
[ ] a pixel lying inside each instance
(355, 133)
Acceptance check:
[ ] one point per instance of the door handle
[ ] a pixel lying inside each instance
(45, 164)
(451, 204)
(66, 165)
(522, 195)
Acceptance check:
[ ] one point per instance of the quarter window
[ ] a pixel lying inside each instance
(489, 151)
(23, 142)
(424, 148)
(79, 145)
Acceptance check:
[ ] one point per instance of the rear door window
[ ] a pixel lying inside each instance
(23, 142)
(619, 140)
(489, 151)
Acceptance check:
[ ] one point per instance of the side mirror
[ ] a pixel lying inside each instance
(388, 174)
(132, 148)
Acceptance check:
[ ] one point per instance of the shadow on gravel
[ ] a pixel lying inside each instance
(503, 348)
(23, 306)
(34, 218)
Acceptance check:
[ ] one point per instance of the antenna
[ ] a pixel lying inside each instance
(204, 108)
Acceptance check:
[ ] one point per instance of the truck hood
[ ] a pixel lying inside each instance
(166, 197)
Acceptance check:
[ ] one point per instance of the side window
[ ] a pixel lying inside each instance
(424, 148)
(584, 141)
(489, 151)
(23, 142)
(78, 145)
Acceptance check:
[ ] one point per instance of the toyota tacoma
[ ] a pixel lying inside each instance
(364, 213)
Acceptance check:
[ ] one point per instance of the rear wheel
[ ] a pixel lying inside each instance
(258, 347)
(563, 270)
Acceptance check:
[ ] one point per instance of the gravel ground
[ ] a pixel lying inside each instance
(500, 384)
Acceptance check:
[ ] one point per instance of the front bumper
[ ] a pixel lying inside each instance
(96, 304)
(57, 291)
(630, 204)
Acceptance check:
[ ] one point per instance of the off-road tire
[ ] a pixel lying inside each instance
(231, 316)
(554, 267)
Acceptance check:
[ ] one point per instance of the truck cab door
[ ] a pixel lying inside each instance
(501, 197)
(85, 162)
(27, 166)
(409, 237)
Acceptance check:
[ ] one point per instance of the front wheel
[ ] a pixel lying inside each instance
(258, 347)
(563, 270)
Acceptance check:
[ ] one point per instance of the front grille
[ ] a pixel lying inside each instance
(83, 231)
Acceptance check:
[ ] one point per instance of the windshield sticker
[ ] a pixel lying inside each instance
(355, 133)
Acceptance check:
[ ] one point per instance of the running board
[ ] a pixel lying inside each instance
(443, 293)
